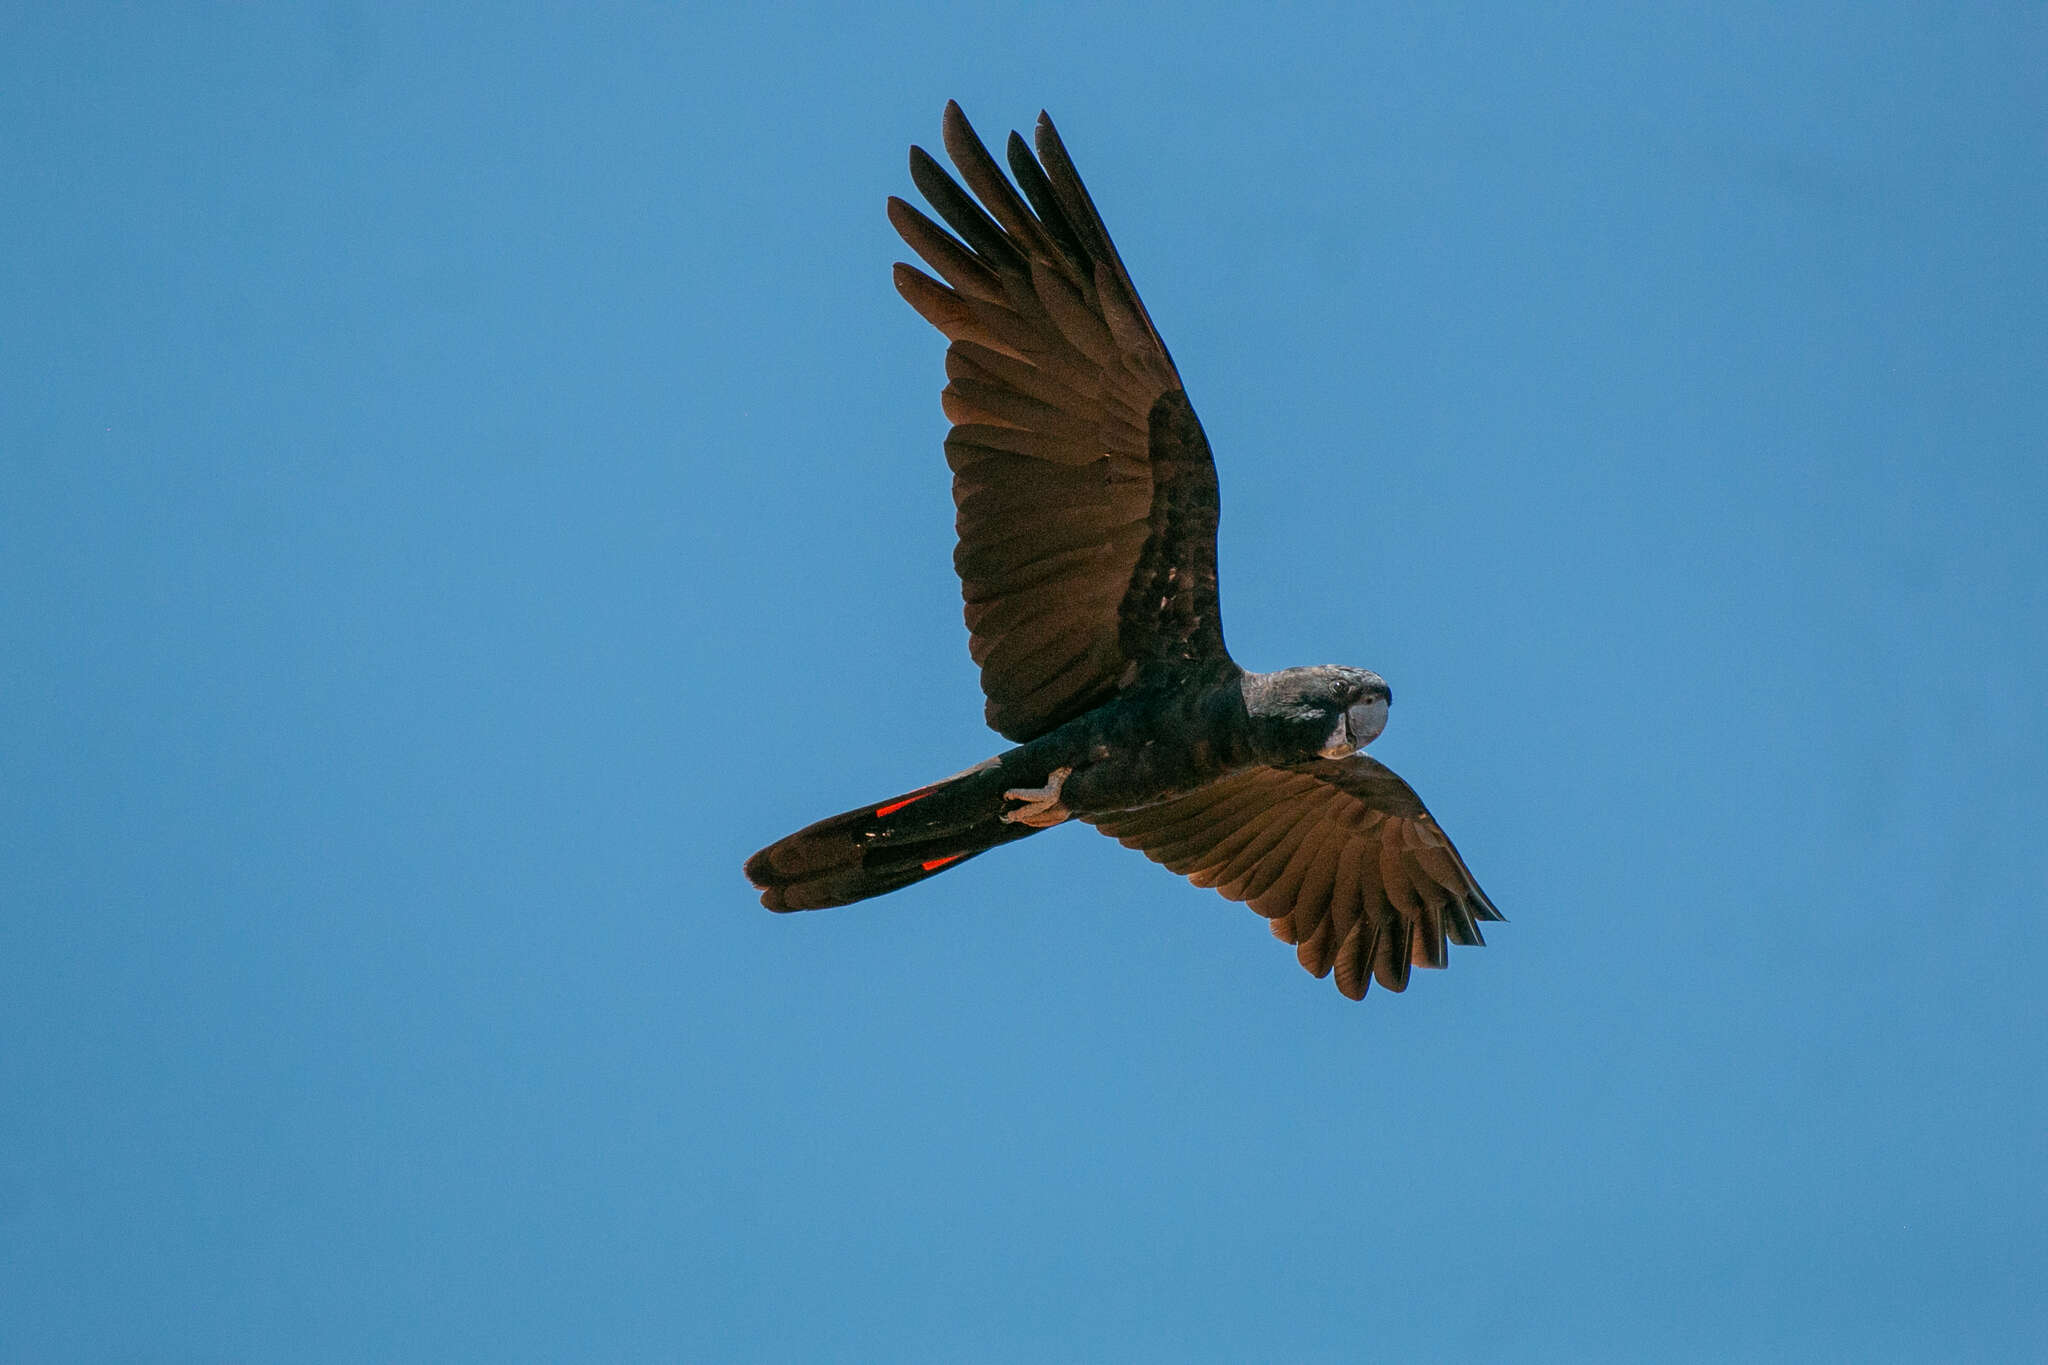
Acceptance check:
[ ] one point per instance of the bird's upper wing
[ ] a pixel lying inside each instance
(1339, 854)
(1084, 486)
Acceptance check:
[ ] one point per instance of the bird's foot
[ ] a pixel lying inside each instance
(1041, 808)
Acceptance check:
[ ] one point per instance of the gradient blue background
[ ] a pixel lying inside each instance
(466, 481)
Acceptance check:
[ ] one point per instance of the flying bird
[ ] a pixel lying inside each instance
(1087, 509)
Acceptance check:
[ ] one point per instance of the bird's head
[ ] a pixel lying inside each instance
(1328, 711)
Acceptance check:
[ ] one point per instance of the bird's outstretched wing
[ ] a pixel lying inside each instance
(1084, 486)
(1339, 854)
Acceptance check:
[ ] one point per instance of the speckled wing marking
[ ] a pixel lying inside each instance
(1339, 854)
(1085, 491)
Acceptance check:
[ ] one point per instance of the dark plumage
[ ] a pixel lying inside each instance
(1087, 559)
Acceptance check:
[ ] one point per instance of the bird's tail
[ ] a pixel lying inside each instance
(889, 844)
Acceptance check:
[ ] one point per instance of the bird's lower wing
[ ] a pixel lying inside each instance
(1339, 854)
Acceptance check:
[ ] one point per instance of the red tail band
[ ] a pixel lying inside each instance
(895, 806)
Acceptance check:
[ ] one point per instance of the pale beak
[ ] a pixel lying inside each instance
(1359, 726)
(1367, 719)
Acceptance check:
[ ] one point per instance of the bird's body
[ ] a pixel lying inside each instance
(1087, 519)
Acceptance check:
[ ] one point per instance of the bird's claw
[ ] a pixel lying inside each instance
(1041, 808)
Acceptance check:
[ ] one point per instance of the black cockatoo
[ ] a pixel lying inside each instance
(1087, 557)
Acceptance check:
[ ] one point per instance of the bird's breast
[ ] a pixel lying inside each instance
(1145, 748)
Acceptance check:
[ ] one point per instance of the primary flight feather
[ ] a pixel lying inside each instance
(1087, 511)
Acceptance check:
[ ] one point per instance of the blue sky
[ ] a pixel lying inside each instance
(466, 481)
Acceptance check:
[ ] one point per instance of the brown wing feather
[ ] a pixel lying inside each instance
(1085, 491)
(1339, 854)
